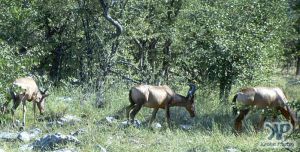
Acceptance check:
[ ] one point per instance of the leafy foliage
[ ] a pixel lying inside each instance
(212, 43)
(225, 42)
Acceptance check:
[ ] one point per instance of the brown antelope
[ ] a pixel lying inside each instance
(25, 89)
(159, 97)
(263, 98)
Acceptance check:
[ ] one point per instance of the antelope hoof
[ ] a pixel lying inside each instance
(21, 128)
(237, 132)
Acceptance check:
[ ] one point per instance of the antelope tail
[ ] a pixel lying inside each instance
(234, 108)
(293, 117)
(130, 98)
(12, 94)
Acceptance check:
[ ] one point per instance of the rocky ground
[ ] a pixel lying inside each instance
(35, 140)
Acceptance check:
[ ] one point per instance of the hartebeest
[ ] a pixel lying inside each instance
(22, 90)
(159, 97)
(263, 98)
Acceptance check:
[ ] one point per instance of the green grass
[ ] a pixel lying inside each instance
(211, 128)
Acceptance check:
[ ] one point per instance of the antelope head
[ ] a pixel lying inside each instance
(41, 97)
(190, 107)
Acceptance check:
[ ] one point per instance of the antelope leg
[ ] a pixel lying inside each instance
(16, 104)
(128, 109)
(34, 107)
(289, 115)
(24, 112)
(260, 125)
(153, 116)
(134, 111)
(168, 115)
(274, 118)
(239, 119)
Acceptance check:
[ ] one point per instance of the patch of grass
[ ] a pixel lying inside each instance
(212, 128)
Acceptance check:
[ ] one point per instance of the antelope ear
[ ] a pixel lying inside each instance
(192, 89)
(45, 95)
(44, 92)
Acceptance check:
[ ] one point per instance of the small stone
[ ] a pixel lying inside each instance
(24, 136)
(64, 98)
(1, 150)
(156, 125)
(65, 150)
(8, 136)
(136, 123)
(110, 119)
(69, 119)
(59, 123)
(230, 149)
(186, 127)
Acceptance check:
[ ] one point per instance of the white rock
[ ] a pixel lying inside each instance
(69, 119)
(231, 150)
(136, 123)
(110, 119)
(24, 136)
(156, 125)
(65, 150)
(64, 98)
(50, 141)
(8, 136)
(186, 127)
(1, 150)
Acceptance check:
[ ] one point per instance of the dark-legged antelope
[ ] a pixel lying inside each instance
(159, 97)
(22, 90)
(263, 98)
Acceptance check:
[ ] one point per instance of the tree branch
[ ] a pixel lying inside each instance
(119, 28)
(126, 78)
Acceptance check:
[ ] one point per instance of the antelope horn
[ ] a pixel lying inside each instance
(43, 92)
(192, 90)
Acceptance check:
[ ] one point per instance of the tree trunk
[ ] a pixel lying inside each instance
(166, 59)
(225, 88)
(141, 44)
(89, 49)
(106, 63)
(225, 84)
(56, 63)
(100, 101)
(222, 88)
(298, 66)
(82, 75)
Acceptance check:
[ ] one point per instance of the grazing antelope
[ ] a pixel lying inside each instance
(262, 97)
(159, 97)
(25, 89)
